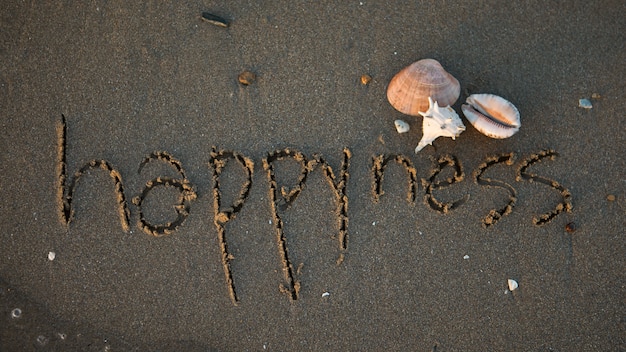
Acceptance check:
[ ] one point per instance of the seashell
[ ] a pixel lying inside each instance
(401, 126)
(439, 121)
(512, 285)
(584, 103)
(409, 89)
(492, 115)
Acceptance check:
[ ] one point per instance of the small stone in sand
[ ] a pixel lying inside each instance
(466, 257)
(366, 79)
(325, 294)
(512, 285)
(247, 78)
(51, 256)
(610, 198)
(570, 227)
(214, 19)
(401, 126)
(584, 103)
(16, 313)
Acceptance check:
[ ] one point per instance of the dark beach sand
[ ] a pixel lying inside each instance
(134, 79)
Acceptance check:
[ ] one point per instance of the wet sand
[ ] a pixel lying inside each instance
(289, 214)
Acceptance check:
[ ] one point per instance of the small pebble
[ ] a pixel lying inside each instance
(570, 227)
(466, 257)
(512, 285)
(51, 256)
(325, 294)
(366, 79)
(401, 126)
(214, 19)
(16, 313)
(585, 104)
(610, 198)
(247, 78)
(595, 96)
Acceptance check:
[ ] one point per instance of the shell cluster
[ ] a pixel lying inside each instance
(425, 88)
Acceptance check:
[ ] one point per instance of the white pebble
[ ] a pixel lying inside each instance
(51, 256)
(401, 126)
(466, 257)
(16, 313)
(584, 103)
(325, 294)
(512, 285)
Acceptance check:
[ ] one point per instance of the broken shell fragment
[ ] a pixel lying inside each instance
(214, 19)
(439, 121)
(246, 78)
(401, 126)
(512, 285)
(584, 103)
(409, 89)
(492, 115)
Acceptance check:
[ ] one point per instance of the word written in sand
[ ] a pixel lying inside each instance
(282, 197)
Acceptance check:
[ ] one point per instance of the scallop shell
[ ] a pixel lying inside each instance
(439, 122)
(409, 89)
(492, 115)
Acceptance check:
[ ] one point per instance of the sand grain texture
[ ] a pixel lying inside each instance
(388, 244)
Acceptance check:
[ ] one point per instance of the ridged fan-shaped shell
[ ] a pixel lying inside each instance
(409, 89)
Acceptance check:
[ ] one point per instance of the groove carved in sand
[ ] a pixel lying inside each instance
(496, 214)
(379, 163)
(431, 184)
(182, 207)
(280, 202)
(221, 215)
(65, 195)
(523, 174)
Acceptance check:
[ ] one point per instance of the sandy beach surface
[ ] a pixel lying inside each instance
(288, 214)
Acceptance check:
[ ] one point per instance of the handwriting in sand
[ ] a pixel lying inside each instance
(281, 197)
